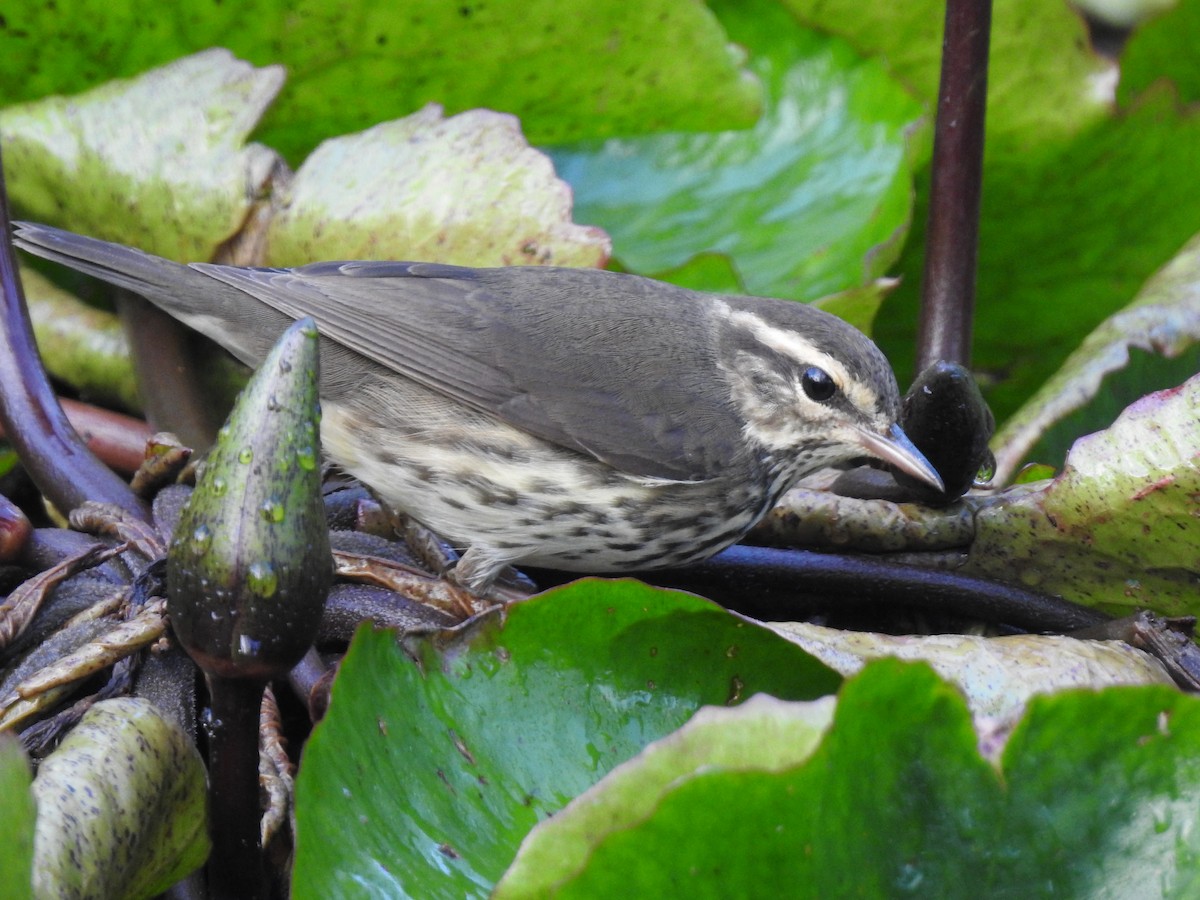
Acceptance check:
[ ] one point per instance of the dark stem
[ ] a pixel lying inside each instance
(948, 289)
(168, 376)
(61, 466)
(787, 585)
(235, 865)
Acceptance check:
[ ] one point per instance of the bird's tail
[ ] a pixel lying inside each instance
(205, 304)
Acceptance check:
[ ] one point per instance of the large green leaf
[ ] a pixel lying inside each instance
(816, 198)
(1095, 795)
(568, 68)
(1044, 82)
(430, 769)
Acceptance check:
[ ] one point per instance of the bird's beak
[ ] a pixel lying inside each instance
(898, 451)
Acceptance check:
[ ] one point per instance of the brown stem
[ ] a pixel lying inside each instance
(948, 289)
(118, 440)
(168, 376)
(61, 466)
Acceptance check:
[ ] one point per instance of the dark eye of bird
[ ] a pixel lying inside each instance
(817, 384)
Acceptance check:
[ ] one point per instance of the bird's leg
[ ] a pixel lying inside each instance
(480, 570)
(485, 573)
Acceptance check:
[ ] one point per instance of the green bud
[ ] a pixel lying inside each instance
(250, 565)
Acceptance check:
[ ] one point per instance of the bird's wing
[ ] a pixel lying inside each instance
(615, 366)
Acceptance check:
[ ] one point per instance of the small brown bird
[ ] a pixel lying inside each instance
(569, 418)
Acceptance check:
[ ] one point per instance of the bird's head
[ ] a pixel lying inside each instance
(813, 391)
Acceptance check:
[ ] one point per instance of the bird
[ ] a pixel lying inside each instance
(575, 419)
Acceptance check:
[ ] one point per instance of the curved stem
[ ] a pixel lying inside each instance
(62, 467)
(768, 583)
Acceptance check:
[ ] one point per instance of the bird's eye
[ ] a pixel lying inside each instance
(817, 384)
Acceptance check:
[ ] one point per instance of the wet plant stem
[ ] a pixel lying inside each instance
(235, 865)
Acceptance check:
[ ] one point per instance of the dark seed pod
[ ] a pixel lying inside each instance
(250, 565)
(945, 415)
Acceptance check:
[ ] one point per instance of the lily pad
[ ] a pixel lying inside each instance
(997, 675)
(1163, 49)
(437, 758)
(569, 69)
(466, 189)
(1095, 794)
(158, 162)
(1044, 82)
(813, 200)
(1118, 528)
(17, 823)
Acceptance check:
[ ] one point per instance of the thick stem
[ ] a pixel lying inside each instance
(60, 464)
(948, 289)
(168, 377)
(235, 866)
(786, 585)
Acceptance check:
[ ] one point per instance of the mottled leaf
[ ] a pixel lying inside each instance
(465, 190)
(159, 161)
(1119, 527)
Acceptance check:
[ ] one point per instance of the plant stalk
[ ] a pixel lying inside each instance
(948, 287)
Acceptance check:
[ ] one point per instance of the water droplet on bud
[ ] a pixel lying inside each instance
(201, 538)
(272, 510)
(307, 458)
(261, 579)
(246, 455)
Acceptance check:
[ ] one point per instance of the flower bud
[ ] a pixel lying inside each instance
(249, 565)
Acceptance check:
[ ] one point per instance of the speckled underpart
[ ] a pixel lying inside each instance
(506, 497)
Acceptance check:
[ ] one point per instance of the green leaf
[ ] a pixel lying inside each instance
(814, 199)
(465, 190)
(79, 344)
(174, 177)
(121, 806)
(431, 767)
(1164, 48)
(1096, 795)
(17, 823)
(569, 69)
(1118, 528)
(1164, 318)
(1044, 82)
(764, 734)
